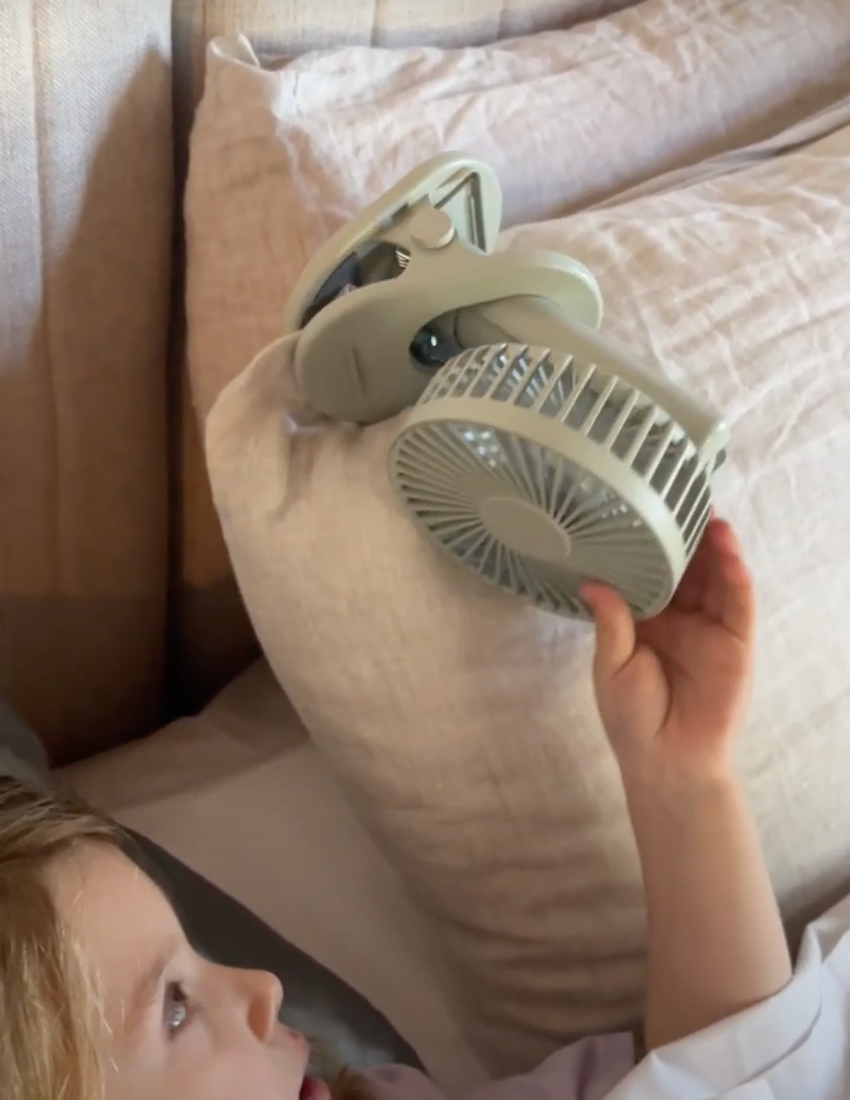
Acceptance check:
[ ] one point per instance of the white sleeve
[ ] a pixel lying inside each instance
(795, 1046)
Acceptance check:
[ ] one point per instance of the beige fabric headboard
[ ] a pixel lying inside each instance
(213, 635)
(86, 198)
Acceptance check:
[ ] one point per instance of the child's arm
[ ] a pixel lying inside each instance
(671, 693)
(716, 941)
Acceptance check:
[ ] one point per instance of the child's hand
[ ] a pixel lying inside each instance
(672, 690)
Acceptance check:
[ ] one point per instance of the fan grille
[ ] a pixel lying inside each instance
(455, 474)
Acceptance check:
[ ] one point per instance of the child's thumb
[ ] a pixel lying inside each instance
(615, 630)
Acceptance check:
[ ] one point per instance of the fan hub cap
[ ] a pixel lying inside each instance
(525, 529)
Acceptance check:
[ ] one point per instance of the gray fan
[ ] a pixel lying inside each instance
(534, 451)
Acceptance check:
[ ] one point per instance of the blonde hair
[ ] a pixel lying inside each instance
(50, 1022)
(49, 1047)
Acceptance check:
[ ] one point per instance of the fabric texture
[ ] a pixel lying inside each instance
(586, 1070)
(86, 194)
(290, 28)
(461, 721)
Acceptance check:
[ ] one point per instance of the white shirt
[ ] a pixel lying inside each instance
(795, 1046)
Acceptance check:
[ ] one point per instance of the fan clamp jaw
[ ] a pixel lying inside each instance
(413, 282)
(534, 450)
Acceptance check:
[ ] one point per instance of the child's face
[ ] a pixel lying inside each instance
(177, 1025)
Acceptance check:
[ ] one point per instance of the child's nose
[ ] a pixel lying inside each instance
(265, 1001)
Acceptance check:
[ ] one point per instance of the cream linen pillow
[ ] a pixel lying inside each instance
(280, 158)
(461, 721)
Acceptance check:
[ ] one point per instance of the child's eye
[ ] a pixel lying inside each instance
(178, 1009)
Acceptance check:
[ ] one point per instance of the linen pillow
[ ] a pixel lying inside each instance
(292, 27)
(461, 720)
(281, 157)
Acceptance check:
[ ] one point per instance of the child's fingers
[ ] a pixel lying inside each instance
(615, 630)
(703, 586)
(733, 595)
(690, 593)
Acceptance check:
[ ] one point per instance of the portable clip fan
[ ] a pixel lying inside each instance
(534, 451)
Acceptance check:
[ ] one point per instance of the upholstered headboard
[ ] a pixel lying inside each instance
(86, 200)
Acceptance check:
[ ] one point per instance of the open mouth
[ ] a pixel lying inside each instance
(314, 1088)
